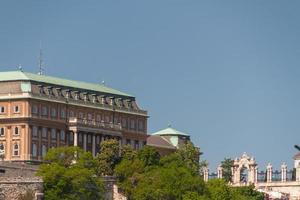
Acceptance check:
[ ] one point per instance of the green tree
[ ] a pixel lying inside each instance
(108, 157)
(190, 156)
(218, 189)
(69, 173)
(149, 156)
(227, 165)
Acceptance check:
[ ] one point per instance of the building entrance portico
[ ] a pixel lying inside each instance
(90, 135)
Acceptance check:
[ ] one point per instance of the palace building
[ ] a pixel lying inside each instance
(38, 112)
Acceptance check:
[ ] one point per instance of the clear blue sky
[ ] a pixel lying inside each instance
(227, 72)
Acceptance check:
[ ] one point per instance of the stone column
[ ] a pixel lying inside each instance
(283, 172)
(220, 171)
(94, 145)
(75, 138)
(205, 174)
(269, 173)
(84, 141)
(256, 170)
(298, 173)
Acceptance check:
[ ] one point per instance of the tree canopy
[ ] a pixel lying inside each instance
(70, 174)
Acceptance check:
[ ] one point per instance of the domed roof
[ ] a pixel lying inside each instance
(171, 131)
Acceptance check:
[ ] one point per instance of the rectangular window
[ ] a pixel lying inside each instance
(128, 142)
(62, 114)
(34, 109)
(44, 110)
(89, 139)
(62, 135)
(53, 112)
(53, 133)
(44, 132)
(132, 124)
(34, 131)
(34, 150)
(16, 149)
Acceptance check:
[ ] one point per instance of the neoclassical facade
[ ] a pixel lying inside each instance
(38, 112)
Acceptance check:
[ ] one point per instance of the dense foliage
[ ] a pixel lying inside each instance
(108, 157)
(146, 176)
(70, 174)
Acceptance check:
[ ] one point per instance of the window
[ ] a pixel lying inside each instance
(34, 150)
(132, 124)
(90, 116)
(44, 110)
(1, 147)
(107, 118)
(141, 125)
(34, 109)
(124, 123)
(89, 139)
(62, 114)
(53, 112)
(34, 131)
(16, 109)
(79, 137)
(98, 118)
(81, 115)
(71, 114)
(2, 109)
(128, 142)
(71, 137)
(44, 150)
(16, 131)
(16, 149)
(44, 132)
(53, 133)
(2, 131)
(62, 135)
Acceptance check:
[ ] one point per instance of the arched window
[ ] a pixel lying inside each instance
(2, 131)
(1, 147)
(16, 130)
(16, 149)
(44, 150)
(34, 150)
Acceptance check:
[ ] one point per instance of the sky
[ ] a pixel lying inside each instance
(226, 72)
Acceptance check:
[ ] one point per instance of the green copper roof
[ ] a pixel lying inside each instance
(170, 131)
(19, 75)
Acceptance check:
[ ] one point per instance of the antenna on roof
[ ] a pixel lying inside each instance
(20, 67)
(41, 62)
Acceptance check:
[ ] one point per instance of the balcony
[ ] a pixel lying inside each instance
(73, 121)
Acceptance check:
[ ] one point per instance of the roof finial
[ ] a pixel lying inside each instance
(41, 62)
(20, 67)
(103, 82)
(169, 125)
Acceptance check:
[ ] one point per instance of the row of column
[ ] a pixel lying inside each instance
(252, 174)
(93, 141)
